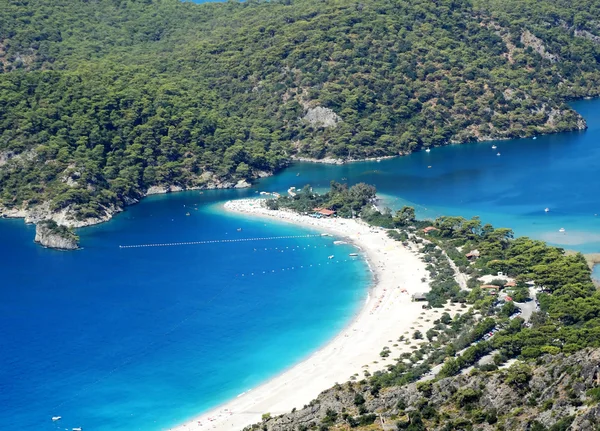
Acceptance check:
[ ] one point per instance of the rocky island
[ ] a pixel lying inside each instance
(52, 235)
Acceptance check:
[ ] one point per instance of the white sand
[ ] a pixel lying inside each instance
(388, 314)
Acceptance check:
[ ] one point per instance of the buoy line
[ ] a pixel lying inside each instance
(216, 241)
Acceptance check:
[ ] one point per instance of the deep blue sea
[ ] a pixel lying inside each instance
(558, 172)
(116, 339)
(141, 339)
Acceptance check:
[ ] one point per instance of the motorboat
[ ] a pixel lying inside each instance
(427, 150)
(330, 257)
(56, 418)
(353, 254)
(561, 230)
(494, 147)
(547, 209)
(498, 154)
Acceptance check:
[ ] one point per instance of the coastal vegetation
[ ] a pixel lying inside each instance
(531, 320)
(345, 201)
(101, 101)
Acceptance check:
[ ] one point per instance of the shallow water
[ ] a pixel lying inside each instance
(141, 339)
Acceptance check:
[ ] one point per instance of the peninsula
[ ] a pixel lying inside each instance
(387, 314)
(501, 314)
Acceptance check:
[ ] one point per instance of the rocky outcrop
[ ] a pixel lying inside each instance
(64, 217)
(322, 117)
(49, 234)
(67, 216)
(158, 190)
(335, 161)
(242, 184)
(559, 389)
(530, 40)
(587, 35)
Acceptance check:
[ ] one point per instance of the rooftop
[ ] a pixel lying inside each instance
(324, 211)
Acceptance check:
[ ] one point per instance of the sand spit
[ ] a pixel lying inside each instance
(387, 314)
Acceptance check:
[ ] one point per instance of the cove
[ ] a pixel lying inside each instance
(142, 339)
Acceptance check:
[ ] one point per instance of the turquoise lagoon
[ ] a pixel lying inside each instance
(141, 339)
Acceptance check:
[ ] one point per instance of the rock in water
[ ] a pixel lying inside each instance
(50, 234)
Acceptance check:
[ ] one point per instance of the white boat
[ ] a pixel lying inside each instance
(339, 242)
(535, 137)
(325, 234)
(494, 147)
(547, 209)
(561, 230)
(56, 418)
(498, 154)
(378, 160)
(330, 257)
(77, 429)
(353, 254)
(427, 150)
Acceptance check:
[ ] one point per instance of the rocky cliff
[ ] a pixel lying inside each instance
(49, 234)
(68, 216)
(555, 393)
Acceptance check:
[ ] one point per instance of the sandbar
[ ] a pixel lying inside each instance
(387, 314)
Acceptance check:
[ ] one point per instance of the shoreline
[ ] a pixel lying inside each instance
(65, 216)
(396, 275)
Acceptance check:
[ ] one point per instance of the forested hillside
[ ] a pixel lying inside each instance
(100, 100)
(523, 353)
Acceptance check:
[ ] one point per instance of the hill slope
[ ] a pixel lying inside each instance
(522, 355)
(100, 101)
(559, 393)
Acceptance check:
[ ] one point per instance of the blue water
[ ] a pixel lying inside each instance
(559, 172)
(141, 339)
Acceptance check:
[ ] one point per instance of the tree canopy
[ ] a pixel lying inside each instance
(101, 100)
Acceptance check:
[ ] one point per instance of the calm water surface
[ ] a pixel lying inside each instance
(140, 339)
(558, 172)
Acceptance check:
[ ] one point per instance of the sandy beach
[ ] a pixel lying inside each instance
(387, 314)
